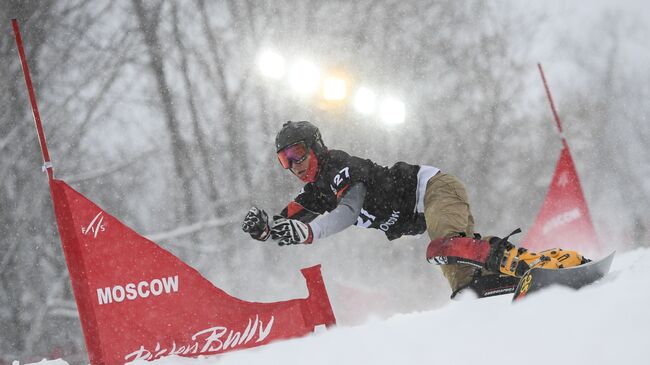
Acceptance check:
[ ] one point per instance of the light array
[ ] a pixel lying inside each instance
(307, 80)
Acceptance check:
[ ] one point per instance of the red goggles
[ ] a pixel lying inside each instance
(296, 153)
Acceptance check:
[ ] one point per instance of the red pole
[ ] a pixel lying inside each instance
(578, 187)
(550, 100)
(47, 164)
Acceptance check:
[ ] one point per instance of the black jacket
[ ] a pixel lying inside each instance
(389, 204)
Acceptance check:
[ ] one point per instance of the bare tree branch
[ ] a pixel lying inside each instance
(107, 170)
(192, 229)
(148, 27)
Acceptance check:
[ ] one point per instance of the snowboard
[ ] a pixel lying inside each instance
(574, 277)
(473, 251)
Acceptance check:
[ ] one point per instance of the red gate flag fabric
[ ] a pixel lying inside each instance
(564, 219)
(138, 301)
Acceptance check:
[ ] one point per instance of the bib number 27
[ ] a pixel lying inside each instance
(344, 173)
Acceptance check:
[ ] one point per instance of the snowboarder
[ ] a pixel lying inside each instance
(404, 199)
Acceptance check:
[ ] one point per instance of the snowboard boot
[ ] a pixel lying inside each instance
(508, 259)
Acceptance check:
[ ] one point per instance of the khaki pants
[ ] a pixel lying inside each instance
(447, 213)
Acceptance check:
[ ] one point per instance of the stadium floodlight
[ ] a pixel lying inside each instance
(392, 111)
(334, 89)
(304, 77)
(365, 101)
(271, 64)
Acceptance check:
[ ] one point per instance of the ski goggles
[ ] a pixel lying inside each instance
(296, 153)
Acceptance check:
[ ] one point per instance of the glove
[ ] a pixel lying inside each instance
(256, 223)
(290, 231)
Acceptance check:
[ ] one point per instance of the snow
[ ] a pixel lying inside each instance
(605, 323)
(45, 362)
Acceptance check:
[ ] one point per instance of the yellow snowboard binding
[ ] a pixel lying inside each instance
(516, 261)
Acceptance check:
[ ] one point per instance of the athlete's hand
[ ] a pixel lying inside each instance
(290, 231)
(256, 223)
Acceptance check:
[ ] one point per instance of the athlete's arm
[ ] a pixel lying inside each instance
(344, 215)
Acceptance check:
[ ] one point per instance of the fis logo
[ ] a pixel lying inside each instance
(95, 226)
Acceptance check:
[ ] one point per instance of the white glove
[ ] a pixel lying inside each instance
(290, 231)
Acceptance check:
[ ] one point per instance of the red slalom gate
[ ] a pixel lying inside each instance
(564, 219)
(138, 301)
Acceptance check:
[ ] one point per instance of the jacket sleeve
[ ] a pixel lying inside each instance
(295, 210)
(344, 215)
(306, 206)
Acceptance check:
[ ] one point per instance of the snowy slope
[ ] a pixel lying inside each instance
(606, 323)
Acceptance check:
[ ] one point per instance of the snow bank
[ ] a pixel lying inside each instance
(605, 323)
(44, 362)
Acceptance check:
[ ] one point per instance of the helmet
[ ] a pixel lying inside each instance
(302, 140)
(303, 131)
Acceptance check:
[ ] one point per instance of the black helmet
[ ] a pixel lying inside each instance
(303, 131)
